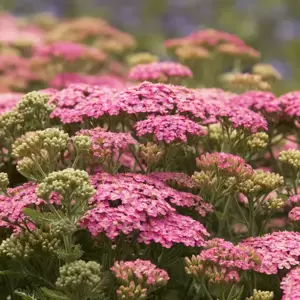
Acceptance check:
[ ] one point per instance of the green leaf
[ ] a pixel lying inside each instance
(55, 295)
(38, 216)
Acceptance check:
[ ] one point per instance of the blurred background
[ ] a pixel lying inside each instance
(271, 26)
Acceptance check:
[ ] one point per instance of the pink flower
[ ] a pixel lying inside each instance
(264, 102)
(173, 229)
(8, 101)
(180, 179)
(291, 104)
(69, 51)
(159, 71)
(115, 142)
(221, 261)
(294, 214)
(11, 208)
(140, 272)
(127, 202)
(169, 128)
(279, 250)
(226, 164)
(63, 80)
(290, 285)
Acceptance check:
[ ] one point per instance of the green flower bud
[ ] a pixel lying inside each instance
(274, 204)
(258, 141)
(291, 158)
(4, 182)
(82, 144)
(79, 277)
(204, 180)
(261, 295)
(141, 58)
(261, 182)
(67, 182)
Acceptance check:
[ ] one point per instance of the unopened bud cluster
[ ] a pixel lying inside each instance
(4, 182)
(258, 141)
(261, 295)
(141, 58)
(25, 244)
(151, 153)
(79, 277)
(274, 204)
(261, 182)
(245, 82)
(138, 278)
(267, 72)
(67, 182)
(52, 140)
(291, 158)
(82, 144)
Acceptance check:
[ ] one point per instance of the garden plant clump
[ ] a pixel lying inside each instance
(126, 177)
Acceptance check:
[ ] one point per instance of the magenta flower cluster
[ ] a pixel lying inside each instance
(279, 250)
(169, 128)
(159, 71)
(132, 202)
(290, 285)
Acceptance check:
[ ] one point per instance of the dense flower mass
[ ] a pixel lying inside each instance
(225, 164)
(169, 128)
(104, 141)
(125, 203)
(290, 285)
(278, 250)
(159, 71)
(108, 181)
(221, 261)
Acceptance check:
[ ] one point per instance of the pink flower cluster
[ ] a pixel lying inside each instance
(70, 103)
(128, 202)
(225, 164)
(294, 200)
(68, 51)
(106, 141)
(63, 80)
(221, 261)
(159, 71)
(169, 128)
(11, 207)
(8, 101)
(141, 271)
(171, 178)
(279, 250)
(265, 102)
(290, 285)
(294, 214)
(291, 104)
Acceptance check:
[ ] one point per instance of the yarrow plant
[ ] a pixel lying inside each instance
(126, 177)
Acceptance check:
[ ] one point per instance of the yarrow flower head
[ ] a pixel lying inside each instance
(159, 71)
(128, 202)
(67, 182)
(264, 102)
(138, 278)
(169, 128)
(16, 199)
(225, 164)
(69, 51)
(8, 101)
(174, 179)
(261, 182)
(221, 262)
(79, 278)
(4, 182)
(291, 105)
(278, 250)
(294, 215)
(103, 140)
(291, 158)
(261, 295)
(290, 285)
(63, 80)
